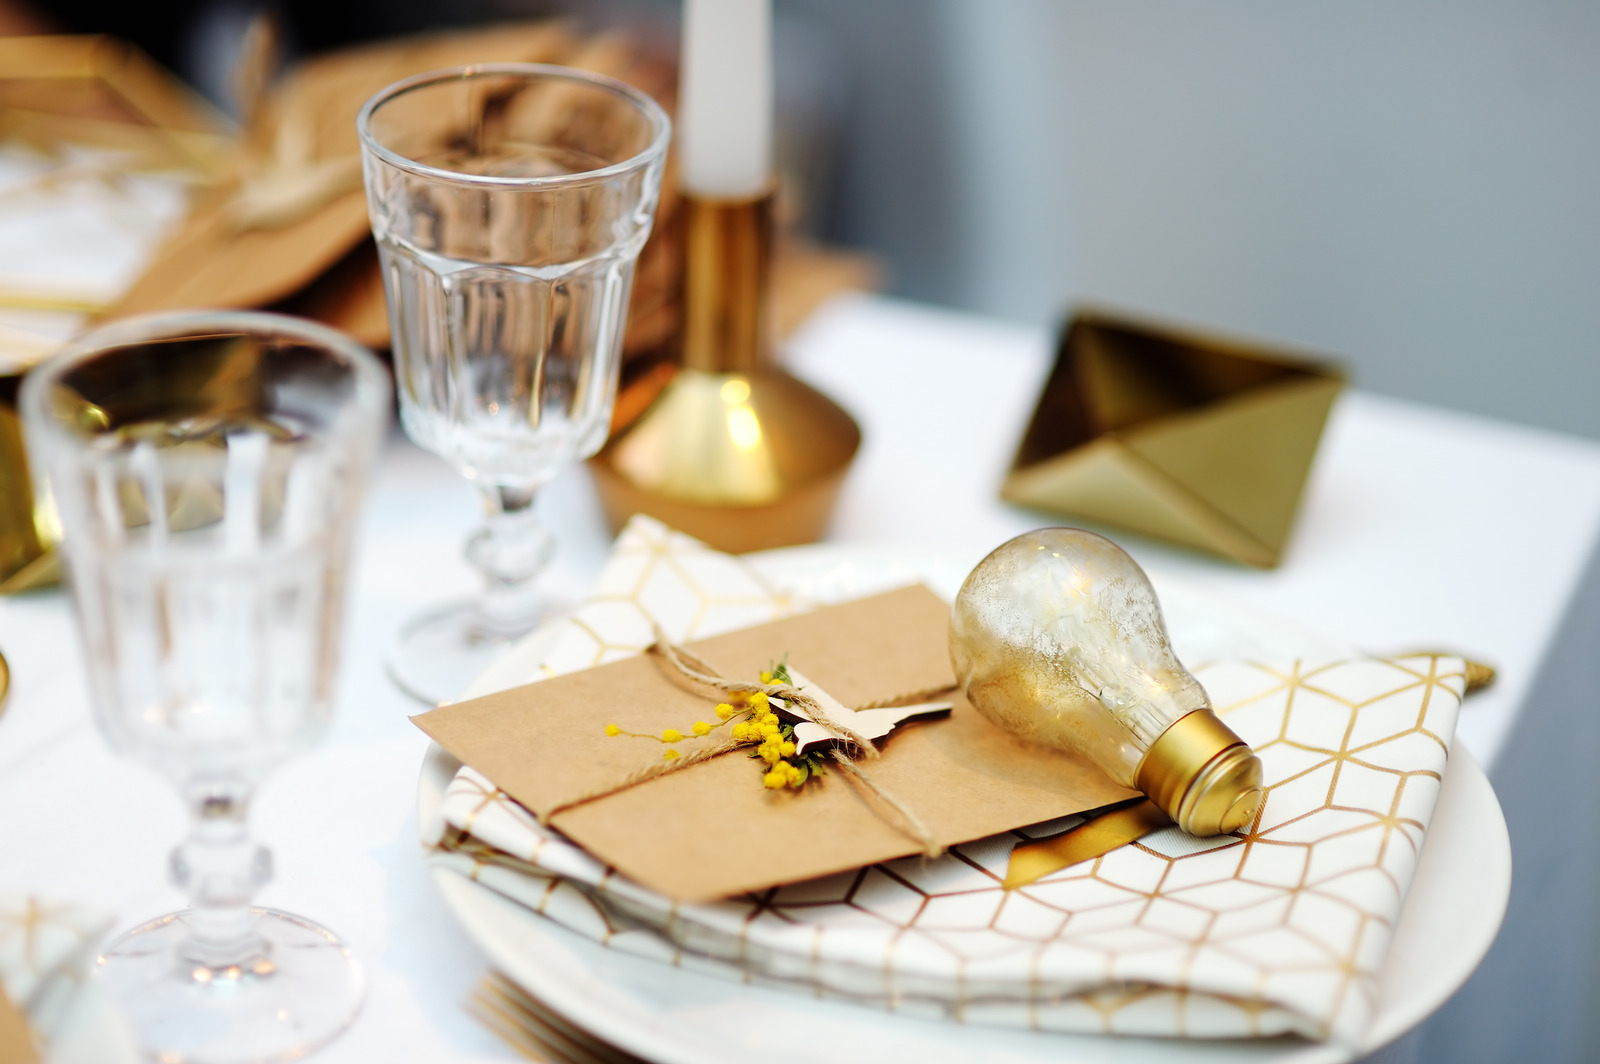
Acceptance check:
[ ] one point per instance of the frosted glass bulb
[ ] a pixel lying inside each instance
(1058, 637)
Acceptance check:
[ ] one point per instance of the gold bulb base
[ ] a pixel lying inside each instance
(1203, 776)
(733, 451)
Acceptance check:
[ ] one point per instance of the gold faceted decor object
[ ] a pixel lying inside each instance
(1203, 442)
(27, 534)
(733, 450)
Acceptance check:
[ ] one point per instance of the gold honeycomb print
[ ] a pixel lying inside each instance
(1282, 928)
(44, 947)
(656, 575)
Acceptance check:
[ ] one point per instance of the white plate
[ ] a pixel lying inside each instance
(1457, 899)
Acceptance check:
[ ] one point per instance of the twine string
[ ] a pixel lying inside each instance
(927, 694)
(912, 825)
(905, 818)
(645, 775)
(698, 671)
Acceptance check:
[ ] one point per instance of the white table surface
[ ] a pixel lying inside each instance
(1420, 528)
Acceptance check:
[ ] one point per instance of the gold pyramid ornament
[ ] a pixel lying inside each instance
(1202, 442)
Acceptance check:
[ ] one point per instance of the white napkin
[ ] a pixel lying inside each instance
(1283, 931)
(45, 951)
(79, 226)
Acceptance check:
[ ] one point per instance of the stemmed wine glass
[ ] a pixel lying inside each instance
(206, 469)
(509, 202)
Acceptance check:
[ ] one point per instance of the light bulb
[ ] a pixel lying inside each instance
(1058, 637)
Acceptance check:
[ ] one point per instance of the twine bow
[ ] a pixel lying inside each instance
(692, 667)
(905, 818)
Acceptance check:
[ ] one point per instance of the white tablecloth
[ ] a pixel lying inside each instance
(1494, 552)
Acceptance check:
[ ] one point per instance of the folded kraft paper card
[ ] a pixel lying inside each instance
(546, 745)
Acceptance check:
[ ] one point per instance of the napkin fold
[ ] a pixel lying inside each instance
(1284, 929)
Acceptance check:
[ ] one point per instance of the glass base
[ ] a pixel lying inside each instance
(437, 655)
(296, 994)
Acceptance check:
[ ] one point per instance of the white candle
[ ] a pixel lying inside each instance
(725, 98)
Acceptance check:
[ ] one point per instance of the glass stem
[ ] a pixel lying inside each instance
(220, 869)
(511, 550)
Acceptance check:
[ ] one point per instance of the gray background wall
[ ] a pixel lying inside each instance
(1411, 185)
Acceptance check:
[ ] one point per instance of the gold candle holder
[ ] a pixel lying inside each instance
(734, 451)
(27, 558)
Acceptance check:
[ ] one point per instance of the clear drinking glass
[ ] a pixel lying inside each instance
(207, 470)
(509, 204)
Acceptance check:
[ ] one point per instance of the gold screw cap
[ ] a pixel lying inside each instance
(1203, 775)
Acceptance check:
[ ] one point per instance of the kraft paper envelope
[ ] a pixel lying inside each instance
(712, 830)
(96, 91)
(1202, 442)
(287, 229)
(95, 108)
(16, 1040)
(295, 212)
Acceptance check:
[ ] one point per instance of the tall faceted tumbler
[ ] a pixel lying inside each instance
(207, 469)
(510, 203)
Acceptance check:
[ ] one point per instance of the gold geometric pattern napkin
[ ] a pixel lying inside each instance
(44, 949)
(1283, 929)
(657, 576)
